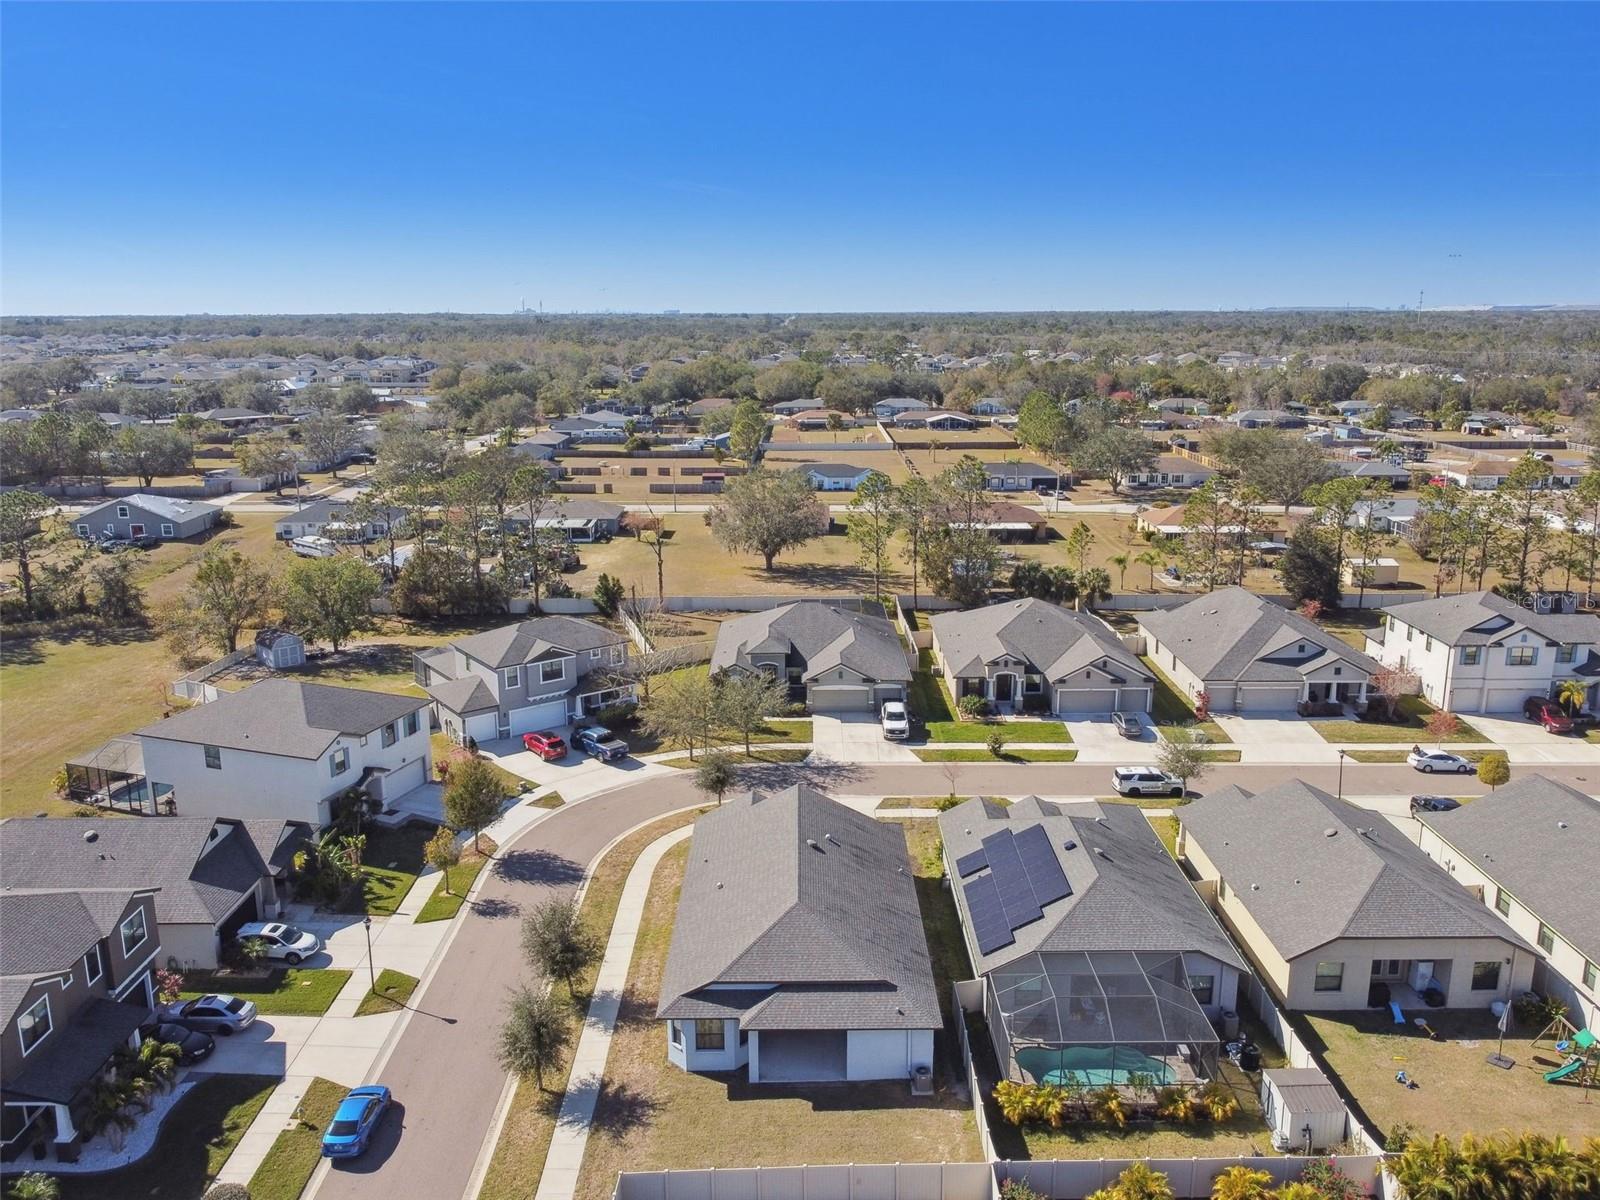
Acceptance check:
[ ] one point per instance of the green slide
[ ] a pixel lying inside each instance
(1565, 1069)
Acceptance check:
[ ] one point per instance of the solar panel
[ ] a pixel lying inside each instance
(968, 864)
(989, 924)
(1016, 893)
(1039, 860)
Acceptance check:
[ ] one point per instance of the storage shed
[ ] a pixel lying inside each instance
(1302, 1109)
(280, 649)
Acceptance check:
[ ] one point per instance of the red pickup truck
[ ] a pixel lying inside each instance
(1548, 713)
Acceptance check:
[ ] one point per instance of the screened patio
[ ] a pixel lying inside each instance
(1092, 1018)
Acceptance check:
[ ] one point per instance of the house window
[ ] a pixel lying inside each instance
(1470, 655)
(122, 511)
(1204, 988)
(513, 677)
(166, 529)
(1330, 977)
(1566, 652)
(134, 932)
(502, 725)
(594, 655)
(675, 1033)
(391, 734)
(1547, 938)
(93, 965)
(1590, 975)
(83, 531)
(1521, 656)
(1502, 902)
(616, 654)
(1427, 643)
(1486, 976)
(708, 1035)
(214, 757)
(339, 761)
(1033, 683)
(413, 723)
(551, 671)
(1408, 633)
(33, 1026)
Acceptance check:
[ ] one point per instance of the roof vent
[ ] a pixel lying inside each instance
(1561, 824)
(719, 885)
(90, 835)
(1102, 853)
(812, 842)
(1330, 833)
(1255, 887)
(1069, 844)
(831, 838)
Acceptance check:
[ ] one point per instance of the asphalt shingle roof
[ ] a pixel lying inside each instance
(525, 641)
(1482, 618)
(798, 891)
(822, 635)
(1053, 640)
(323, 511)
(1232, 634)
(162, 506)
(1539, 840)
(1306, 886)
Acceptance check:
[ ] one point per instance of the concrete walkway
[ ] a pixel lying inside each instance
(559, 1179)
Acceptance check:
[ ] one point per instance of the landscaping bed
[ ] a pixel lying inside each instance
(289, 992)
(443, 905)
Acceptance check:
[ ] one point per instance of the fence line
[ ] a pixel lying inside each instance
(196, 686)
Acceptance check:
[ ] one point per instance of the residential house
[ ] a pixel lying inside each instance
(834, 477)
(993, 406)
(1486, 421)
(1250, 655)
(340, 521)
(1097, 958)
(537, 674)
(1262, 418)
(1036, 655)
(1388, 515)
(75, 985)
(838, 660)
(541, 446)
(610, 418)
(707, 406)
(1006, 521)
(797, 951)
(790, 408)
(144, 515)
(1477, 652)
(1023, 476)
(1169, 470)
(1527, 852)
(936, 421)
(1173, 523)
(1395, 476)
(1187, 405)
(213, 874)
(888, 410)
(240, 419)
(602, 517)
(586, 429)
(1338, 910)
(1486, 474)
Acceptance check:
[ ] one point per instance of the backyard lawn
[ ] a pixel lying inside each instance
(293, 992)
(1413, 713)
(283, 1173)
(1458, 1092)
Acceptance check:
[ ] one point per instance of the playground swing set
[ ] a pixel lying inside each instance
(1582, 1048)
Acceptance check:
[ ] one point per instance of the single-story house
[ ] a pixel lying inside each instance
(1023, 476)
(936, 421)
(545, 444)
(834, 477)
(797, 951)
(1098, 960)
(1250, 655)
(587, 429)
(600, 515)
(1337, 909)
(280, 649)
(144, 515)
(1036, 655)
(1169, 470)
(235, 418)
(1527, 851)
(1388, 515)
(1477, 652)
(1006, 521)
(705, 407)
(339, 520)
(993, 406)
(1391, 473)
(1173, 522)
(1486, 474)
(888, 410)
(838, 660)
(790, 408)
(1192, 405)
(1261, 418)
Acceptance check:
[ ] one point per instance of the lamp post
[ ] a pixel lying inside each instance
(372, 974)
(1342, 755)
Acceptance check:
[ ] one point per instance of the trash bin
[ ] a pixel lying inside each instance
(1250, 1057)
(1230, 1025)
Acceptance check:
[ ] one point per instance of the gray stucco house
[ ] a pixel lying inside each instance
(797, 953)
(1030, 654)
(144, 515)
(839, 660)
(340, 521)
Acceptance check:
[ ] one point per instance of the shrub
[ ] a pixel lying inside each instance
(996, 742)
(615, 714)
(1217, 1101)
(1176, 1104)
(1330, 1182)
(1017, 1189)
(228, 1191)
(972, 708)
(1530, 1008)
(1107, 1106)
(946, 803)
(1241, 1183)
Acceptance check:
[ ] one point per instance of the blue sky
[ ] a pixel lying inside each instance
(406, 157)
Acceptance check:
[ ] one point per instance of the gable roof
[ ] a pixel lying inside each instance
(1226, 634)
(825, 636)
(798, 891)
(1054, 640)
(285, 717)
(834, 470)
(323, 511)
(513, 645)
(1536, 838)
(1127, 892)
(1310, 868)
(1482, 618)
(162, 506)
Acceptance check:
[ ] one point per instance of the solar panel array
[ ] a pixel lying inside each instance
(1024, 875)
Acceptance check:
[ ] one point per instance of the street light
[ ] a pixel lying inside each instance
(372, 974)
(1342, 754)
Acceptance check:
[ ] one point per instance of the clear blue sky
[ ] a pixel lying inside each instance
(284, 158)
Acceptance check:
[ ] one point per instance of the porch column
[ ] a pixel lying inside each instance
(65, 1130)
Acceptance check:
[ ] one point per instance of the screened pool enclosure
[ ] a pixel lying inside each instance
(1097, 1017)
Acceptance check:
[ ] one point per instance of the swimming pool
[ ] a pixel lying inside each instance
(1092, 1066)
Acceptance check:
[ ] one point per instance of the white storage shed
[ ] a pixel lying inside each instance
(1302, 1109)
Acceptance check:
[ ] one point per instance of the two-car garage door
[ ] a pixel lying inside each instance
(1101, 700)
(1278, 698)
(852, 697)
(538, 716)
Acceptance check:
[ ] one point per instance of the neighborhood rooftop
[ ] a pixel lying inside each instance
(526, 641)
(1225, 634)
(1481, 618)
(1058, 640)
(826, 636)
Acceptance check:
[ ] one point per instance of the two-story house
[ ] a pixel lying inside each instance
(1478, 652)
(538, 674)
(75, 985)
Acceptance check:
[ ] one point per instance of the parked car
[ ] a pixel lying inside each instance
(1434, 804)
(282, 941)
(115, 545)
(1145, 781)
(1431, 761)
(359, 1113)
(1128, 725)
(1548, 713)
(211, 1013)
(896, 723)
(192, 1045)
(547, 745)
(599, 742)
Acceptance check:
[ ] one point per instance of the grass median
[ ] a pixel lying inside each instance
(393, 989)
(292, 992)
(1005, 756)
(287, 1168)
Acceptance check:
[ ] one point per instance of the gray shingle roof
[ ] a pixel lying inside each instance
(1131, 897)
(463, 696)
(1231, 634)
(162, 506)
(833, 470)
(512, 645)
(284, 716)
(798, 891)
(49, 928)
(60, 1072)
(1538, 839)
(1305, 888)
(323, 511)
(1053, 640)
(822, 635)
(1481, 618)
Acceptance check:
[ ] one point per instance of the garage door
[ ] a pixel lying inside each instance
(1085, 700)
(537, 717)
(1268, 699)
(1134, 700)
(403, 779)
(245, 913)
(1500, 700)
(887, 691)
(842, 698)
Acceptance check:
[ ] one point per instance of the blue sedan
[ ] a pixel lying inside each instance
(357, 1116)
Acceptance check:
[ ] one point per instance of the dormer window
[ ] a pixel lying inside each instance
(1301, 648)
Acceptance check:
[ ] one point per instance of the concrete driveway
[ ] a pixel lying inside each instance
(1098, 741)
(1529, 742)
(1266, 738)
(577, 770)
(854, 738)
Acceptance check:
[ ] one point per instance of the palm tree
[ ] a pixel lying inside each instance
(1151, 559)
(1093, 584)
(1120, 561)
(35, 1185)
(1571, 694)
(158, 1062)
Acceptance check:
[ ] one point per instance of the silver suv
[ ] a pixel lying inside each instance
(1145, 781)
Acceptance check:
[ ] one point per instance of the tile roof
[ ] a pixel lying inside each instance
(1482, 618)
(1310, 869)
(1055, 641)
(824, 636)
(1231, 634)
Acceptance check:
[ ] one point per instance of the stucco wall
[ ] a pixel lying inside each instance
(887, 1053)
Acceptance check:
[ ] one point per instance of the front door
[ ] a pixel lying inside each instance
(1003, 685)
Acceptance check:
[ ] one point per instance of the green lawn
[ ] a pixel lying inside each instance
(1170, 709)
(1413, 713)
(548, 800)
(1011, 756)
(931, 699)
(393, 990)
(1224, 756)
(285, 1170)
(1167, 830)
(442, 905)
(889, 802)
(1399, 756)
(295, 992)
(195, 1140)
(782, 754)
(393, 861)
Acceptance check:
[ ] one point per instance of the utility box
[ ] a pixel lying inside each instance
(1302, 1109)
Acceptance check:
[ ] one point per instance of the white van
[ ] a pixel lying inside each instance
(312, 546)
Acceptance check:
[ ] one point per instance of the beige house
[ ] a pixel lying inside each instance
(1337, 909)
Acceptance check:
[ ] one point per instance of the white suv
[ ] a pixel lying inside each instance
(1145, 781)
(896, 723)
(282, 941)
